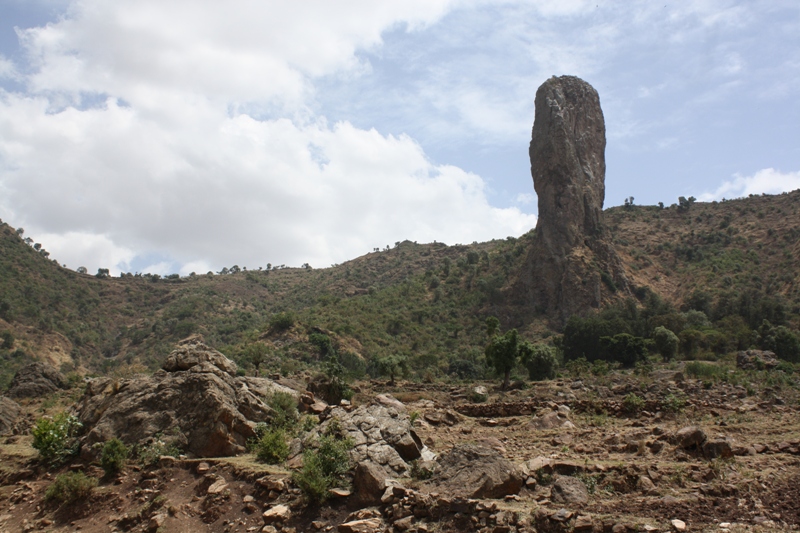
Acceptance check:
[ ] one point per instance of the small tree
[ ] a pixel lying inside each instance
(102, 273)
(392, 365)
(81, 270)
(492, 326)
(504, 351)
(666, 343)
(540, 361)
(255, 354)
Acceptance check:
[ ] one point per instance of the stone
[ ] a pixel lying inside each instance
(583, 523)
(36, 380)
(645, 484)
(475, 471)
(9, 412)
(380, 435)
(718, 448)
(569, 490)
(690, 438)
(157, 521)
(369, 482)
(367, 525)
(572, 265)
(404, 524)
(339, 493)
(218, 487)
(550, 420)
(756, 360)
(191, 353)
(203, 410)
(678, 525)
(445, 417)
(387, 400)
(279, 513)
(202, 468)
(272, 483)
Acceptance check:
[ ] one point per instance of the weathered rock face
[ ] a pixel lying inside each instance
(34, 380)
(572, 252)
(476, 471)
(9, 411)
(201, 407)
(380, 434)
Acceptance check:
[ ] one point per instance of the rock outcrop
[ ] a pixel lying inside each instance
(475, 471)
(35, 380)
(9, 412)
(199, 405)
(572, 264)
(380, 435)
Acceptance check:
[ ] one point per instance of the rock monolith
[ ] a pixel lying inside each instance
(572, 264)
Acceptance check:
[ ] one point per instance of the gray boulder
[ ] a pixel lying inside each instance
(380, 434)
(192, 353)
(569, 490)
(9, 412)
(475, 471)
(690, 438)
(756, 360)
(203, 409)
(35, 380)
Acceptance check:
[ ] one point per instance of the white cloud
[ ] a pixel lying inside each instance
(768, 181)
(73, 248)
(525, 198)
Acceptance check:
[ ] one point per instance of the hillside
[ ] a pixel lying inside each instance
(426, 301)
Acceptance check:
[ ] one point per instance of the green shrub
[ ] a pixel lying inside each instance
(666, 343)
(150, 453)
(419, 471)
(541, 362)
(700, 370)
(632, 404)
(673, 403)
(56, 438)
(285, 414)
(114, 456)
(271, 446)
(70, 487)
(325, 467)
(600, 368)
(282, 321)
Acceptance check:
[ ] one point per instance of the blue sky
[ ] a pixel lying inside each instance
(178, 136)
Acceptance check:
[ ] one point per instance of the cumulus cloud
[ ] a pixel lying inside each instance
(178, 137)
(767, 181)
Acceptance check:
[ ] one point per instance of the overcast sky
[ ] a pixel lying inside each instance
(176, 136)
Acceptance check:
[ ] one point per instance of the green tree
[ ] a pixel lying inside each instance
(256, 354)
(492, 326)
(504, 351)
(666, 343)
(624, 348)
(392, 365)
(540, 361)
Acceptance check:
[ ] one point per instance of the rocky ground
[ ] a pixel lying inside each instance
(563, 455)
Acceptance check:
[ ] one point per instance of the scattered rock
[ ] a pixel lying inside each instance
(367, 525)
(218, 487)
(369, 482)
(476, 471)
(35, 380)
(279, 513)
(550, 420)
(445, 417)
(690, 438)
(718, 448)
(387, 400)
(569, 490)
(678, 525)
(214, 412)
(9, 412)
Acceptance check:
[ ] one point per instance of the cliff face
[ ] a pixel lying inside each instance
(572, 264)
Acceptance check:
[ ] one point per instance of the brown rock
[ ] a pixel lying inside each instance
(569, 490)
(550, 420)
(9, 412)
(718, 448)
(475, 471)
(368, 525)
(35, 380)
(369, 482)
(571, 246)
(690, 437)
(279, 513)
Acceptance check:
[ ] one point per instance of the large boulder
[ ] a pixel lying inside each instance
(9, 412)
(756, 360)
(381, 435)
(572, 264)
(35, 380)
(476, 471)
(203, 409)
(569, 490)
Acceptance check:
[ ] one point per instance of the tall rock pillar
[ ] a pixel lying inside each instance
(572, 265)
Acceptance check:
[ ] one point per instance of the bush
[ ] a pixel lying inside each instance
(673, 403)
(325, 467)
(114, 456)
(56, 438)
(666, 343)
(271, 446)
(282, 321)
(150, 453)
(284, 406)
(624, 348)
(632, 404)
(70, 487)
(699, 370)
(541, 362)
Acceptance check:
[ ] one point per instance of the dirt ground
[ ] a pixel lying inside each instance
(638, 477)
